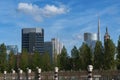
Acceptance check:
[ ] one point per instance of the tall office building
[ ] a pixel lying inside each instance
(90, 39)
(57, 46)
(13, 48)
(33, 39)
(54, 48)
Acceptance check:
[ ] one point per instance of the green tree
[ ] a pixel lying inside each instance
(118, 54)
(35, 60)
(46, 65)
(63, 59)
(75, 58)
(74, 52)
(85, 56)
(24, 60)
(109, 53)
(11, 61)
(3, 57)
(98, 56)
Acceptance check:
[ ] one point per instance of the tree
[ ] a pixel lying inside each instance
(118, 54)
(46, 65)
(85, 56)
(109, 53)
(24, 60)
(98, 56)
(74, 52)
(3, 57)
(75, 58)
(35, 60)
(63, 59)
(11, 61)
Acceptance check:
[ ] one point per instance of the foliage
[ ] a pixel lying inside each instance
(118, 54)
(75, 59)
(24, 60)
(85, 56)
(11, 61)
(3, 57)
(109, 53)
(34, 60)
(63, 59)
(98, 56)
(46, 65)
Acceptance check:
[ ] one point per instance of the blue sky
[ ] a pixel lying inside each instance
(64, 19)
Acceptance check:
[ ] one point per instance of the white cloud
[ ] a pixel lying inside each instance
(39, 12)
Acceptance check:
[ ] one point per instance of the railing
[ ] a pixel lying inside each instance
(63, 75)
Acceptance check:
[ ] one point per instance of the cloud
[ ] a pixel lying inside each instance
(38, 13)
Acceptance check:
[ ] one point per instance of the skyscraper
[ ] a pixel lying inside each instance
(90, 39)
(33, 39)
(98, 34)
(54, 48)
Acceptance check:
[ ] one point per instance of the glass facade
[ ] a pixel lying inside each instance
(13, 48)
(33, 39)
(90, 39)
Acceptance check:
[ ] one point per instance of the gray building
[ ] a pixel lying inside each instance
(90, 39)
(33, 39)
(54, 48)
(13, 48)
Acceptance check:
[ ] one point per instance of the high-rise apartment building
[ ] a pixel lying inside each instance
(33, 39)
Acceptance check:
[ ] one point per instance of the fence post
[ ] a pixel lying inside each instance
(28, 74)
(20, 74)
(13, 74)
(5, 72)
(90, 68)
(38, 73)
(56, 73)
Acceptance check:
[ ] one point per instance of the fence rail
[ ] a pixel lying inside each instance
(63, 75)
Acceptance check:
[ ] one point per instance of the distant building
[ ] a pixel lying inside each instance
(57, 46)
(98, 34)
(106, 36)
(33, 39)
(13, 48)
(53, 47)
(90, 39)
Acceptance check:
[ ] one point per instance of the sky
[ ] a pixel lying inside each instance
(66, 20)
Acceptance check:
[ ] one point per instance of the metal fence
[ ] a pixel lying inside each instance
(63, 75)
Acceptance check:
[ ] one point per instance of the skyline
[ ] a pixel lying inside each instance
(66, 20)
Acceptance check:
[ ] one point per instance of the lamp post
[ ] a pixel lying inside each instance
(90, 69)
(56, 73)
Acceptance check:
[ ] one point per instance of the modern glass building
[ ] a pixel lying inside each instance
(33, 39)
(13, 48)
(90, 39)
